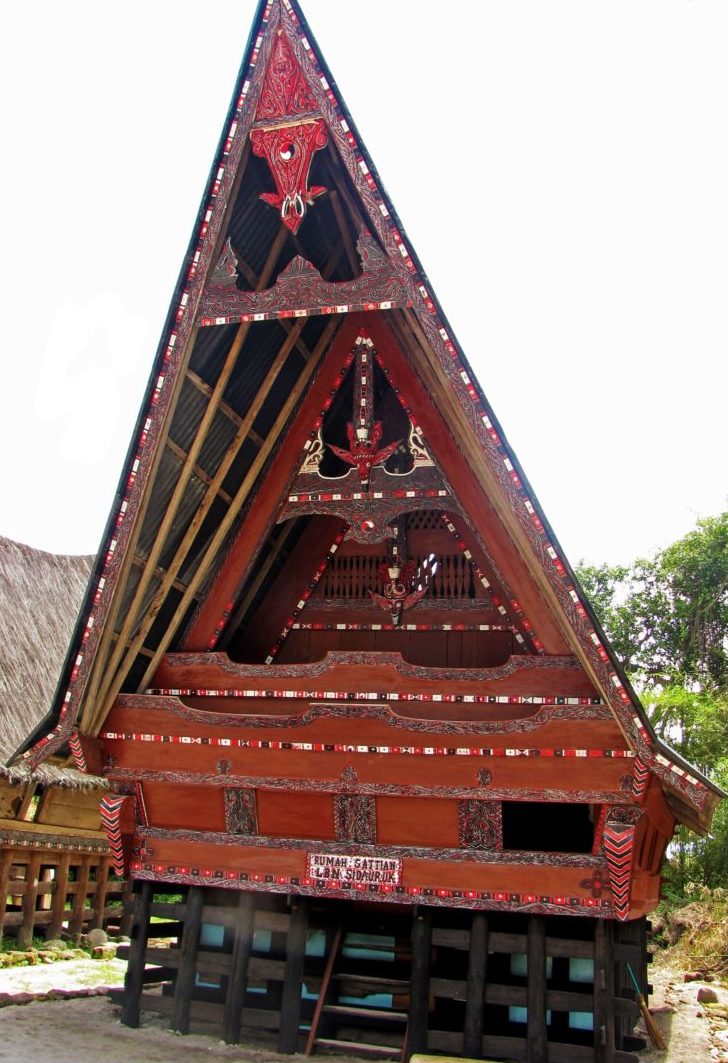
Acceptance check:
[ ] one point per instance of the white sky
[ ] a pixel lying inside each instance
(577, 234)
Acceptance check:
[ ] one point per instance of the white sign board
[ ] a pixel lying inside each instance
(369, 870)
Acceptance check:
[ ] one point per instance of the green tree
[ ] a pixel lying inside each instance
(667, 620)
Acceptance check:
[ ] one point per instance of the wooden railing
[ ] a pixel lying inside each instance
(448, 577)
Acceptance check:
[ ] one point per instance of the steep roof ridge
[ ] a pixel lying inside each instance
(524, 506)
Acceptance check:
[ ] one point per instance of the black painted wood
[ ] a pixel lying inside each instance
(185, 981)
(293, 978)
(419, 980)
(237, 985)
(536, 1033)
(134, 977)
(475, 993)
(603, 993)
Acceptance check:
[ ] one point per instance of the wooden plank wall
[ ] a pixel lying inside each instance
(471, 983)
(49, 893)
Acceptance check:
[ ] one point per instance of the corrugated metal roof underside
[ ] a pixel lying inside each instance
(223, 443)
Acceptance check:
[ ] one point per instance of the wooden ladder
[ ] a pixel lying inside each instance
(340, 1013)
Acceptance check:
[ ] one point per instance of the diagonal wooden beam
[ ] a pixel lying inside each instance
(113, 686)
(199, 472)
(232, 415)
(99, 666)
(245, 546)
(186, 472)
(255, 586)
(225, 525)
(351, 254)
(358, 219)
(105, 669)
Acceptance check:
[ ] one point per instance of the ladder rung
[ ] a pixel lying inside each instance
(387, 1051)
(353, 1011)
(372, 980)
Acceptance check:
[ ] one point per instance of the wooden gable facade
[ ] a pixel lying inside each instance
(332, 659)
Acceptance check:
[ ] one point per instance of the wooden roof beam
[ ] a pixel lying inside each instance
(246, 487)
(206, 389)
(113, 684)
(251, 278)
(159, 572)
(279, 550)
(198, 471)
(99, 667)
(351, 254)
(358, 219)
(184, 478)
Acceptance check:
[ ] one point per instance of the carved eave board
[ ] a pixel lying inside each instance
(328, 596)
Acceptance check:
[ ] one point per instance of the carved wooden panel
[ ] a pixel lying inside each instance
(480, 824)
(241, 815)
(355, 818)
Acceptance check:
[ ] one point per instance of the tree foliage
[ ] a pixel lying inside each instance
(666, 618)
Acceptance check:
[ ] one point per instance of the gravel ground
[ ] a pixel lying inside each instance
(88, 1028)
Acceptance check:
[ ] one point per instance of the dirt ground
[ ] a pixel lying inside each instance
(88, 1028)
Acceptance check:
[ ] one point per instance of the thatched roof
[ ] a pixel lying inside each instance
(40, 594)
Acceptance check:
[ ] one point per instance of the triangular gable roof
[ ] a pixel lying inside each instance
(163, 563)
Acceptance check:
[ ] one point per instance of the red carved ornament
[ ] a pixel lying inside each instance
(288, 151)
(289, 147)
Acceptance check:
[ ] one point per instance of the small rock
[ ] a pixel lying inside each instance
(5, 999)
(691, 976)
(97, 937)
(707, 995)
(23, 998)
(103, 952)
(55, 944)
(664, 1009)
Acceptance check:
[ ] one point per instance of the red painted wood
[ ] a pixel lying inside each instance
(471, 494)
(216, 672)
(417, 821)
(184, 807)
(304, 816)
(293, 581)
(269, 494)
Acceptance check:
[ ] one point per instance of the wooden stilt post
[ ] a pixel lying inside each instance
(536, 1035)
(419, 981)
(603, 993)
(244, 927)
(6, 862)
(25, 934)
(134, 979)
(293, 978)
(127, 913)
(475, 993)
(58, 913)
(102, 884)
(75, 926)
(185, 982)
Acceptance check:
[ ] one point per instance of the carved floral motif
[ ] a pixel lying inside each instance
(480, 824)
(241, 815)
(301, 287)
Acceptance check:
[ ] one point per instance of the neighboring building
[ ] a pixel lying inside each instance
(54, 854)
(341, 679)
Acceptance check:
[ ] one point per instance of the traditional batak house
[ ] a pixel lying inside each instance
(348, 695)
(55, 867)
